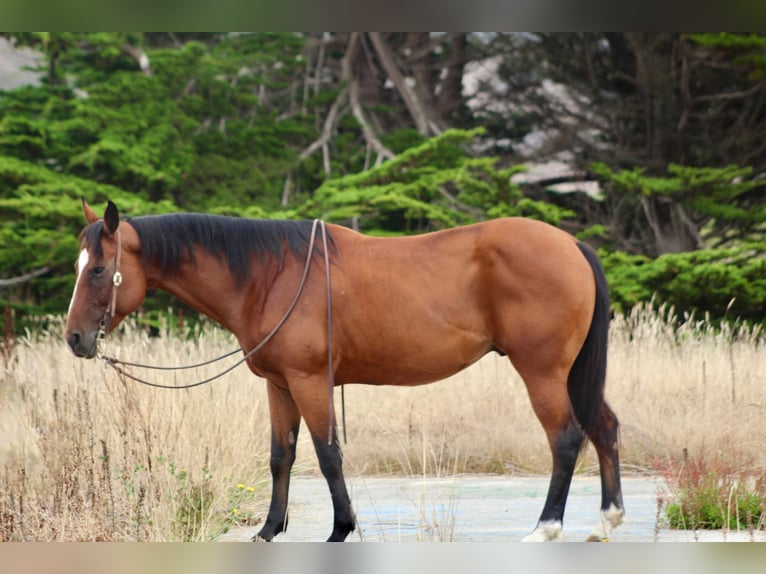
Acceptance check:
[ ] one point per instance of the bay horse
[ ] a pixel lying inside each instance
(405, 311)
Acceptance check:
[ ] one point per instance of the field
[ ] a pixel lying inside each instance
(84, 456)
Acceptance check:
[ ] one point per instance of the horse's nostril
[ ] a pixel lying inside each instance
(74, 340)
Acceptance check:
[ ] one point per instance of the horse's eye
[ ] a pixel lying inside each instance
(98, 270)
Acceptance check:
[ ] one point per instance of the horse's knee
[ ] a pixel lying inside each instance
(283, 450)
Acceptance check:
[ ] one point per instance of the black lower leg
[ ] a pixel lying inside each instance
(282, 458)
(565, 450)
(331, 463)
(605, 441)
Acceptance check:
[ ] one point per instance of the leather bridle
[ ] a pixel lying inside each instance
(103, 325)
(118, 365)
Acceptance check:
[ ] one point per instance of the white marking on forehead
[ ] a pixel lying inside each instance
(82, 263)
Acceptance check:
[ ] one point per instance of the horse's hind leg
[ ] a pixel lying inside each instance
(285, 422)
(550, 402)
(605, 440)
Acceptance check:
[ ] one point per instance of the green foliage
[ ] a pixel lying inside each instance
(432, 185)
(730, 40)
(199, 514)
(219, 126)
(42, 216)
(746, 50)
(715, 281)
(594, 231)
(713, 492)
(707, 507)
(724, 203)
(193, 502)
(192, 134)
(144, 133)
(402, 140)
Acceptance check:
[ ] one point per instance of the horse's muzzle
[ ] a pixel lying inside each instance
(82, 345)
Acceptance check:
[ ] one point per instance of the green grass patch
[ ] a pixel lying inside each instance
(721, 491)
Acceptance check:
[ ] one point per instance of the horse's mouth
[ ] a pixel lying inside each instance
(83, 348)
(86, 354)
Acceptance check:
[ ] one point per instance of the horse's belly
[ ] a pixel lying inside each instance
(407, 368)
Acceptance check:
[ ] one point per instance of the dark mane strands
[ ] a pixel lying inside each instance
(92, 236)
(168, 240)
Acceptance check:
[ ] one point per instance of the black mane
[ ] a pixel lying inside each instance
(169, 240)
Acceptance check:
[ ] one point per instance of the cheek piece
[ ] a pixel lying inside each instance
(103, 325)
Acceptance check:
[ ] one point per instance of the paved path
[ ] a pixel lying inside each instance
(472, 508)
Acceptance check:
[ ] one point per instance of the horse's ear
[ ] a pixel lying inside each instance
(90, 215)
(111, 218)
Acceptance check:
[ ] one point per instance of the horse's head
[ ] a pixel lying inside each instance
(110, 283)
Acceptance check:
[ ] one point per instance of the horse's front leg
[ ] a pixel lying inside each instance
(311, 397)
(331, 463)
(285, 422)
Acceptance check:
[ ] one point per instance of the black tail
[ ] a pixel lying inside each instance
(588, 374)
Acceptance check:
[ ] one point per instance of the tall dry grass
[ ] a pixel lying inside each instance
(84, 456)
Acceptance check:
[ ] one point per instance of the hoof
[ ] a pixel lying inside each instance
(545, 532)
(610, 519)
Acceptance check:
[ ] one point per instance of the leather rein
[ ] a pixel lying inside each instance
(118, 365)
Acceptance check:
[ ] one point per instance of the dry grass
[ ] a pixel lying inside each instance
(85, 457)
(688, 389)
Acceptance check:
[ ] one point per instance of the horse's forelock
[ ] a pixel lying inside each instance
(90, 237)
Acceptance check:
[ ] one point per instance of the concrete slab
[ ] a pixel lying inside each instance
(473, 508)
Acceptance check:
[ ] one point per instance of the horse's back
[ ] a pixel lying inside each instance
(416, 309)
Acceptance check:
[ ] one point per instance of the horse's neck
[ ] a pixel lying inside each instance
(206, 286)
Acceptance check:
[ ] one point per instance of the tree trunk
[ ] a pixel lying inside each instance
(655, 75)
(450, 98)
(12, 281)
(412, 102)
